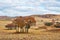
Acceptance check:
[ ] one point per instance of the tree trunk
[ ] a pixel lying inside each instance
(17, 29)
(26, 30)
(21, 30)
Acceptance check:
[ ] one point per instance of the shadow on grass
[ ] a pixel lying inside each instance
(6, 29)
(9, 29)
(53, 31)
(19, 33)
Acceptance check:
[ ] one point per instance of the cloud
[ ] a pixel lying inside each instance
(29, 7)
(52, 5)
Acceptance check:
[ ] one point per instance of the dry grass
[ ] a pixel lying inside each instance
(32, 35)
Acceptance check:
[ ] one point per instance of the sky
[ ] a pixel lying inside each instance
(29, 7)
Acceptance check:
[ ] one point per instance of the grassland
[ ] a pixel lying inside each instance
(32, 35)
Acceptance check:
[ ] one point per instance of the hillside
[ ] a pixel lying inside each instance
(46, 15)
(51, 16)
(6, 18)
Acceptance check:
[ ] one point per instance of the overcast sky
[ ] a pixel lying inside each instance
(29, 7)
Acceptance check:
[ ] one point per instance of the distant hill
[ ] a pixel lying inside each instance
(6, 18)
(46, 15)
(42, 16)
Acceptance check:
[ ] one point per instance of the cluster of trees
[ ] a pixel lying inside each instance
(21, 23)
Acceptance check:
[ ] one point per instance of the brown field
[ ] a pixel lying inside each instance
(39, 34)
